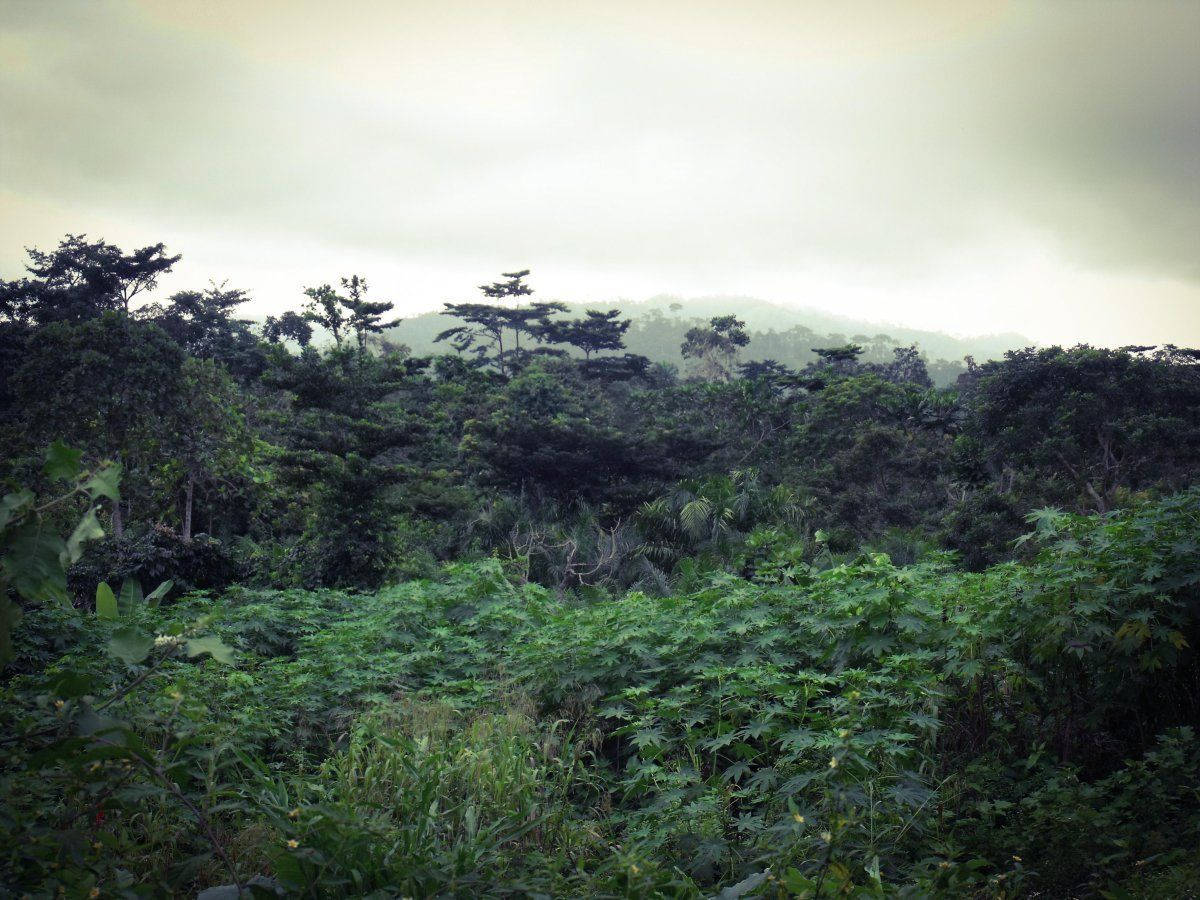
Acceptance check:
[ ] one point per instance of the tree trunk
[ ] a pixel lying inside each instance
(118, 524)
(189, 491)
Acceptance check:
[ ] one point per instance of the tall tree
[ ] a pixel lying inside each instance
(364, 315)
(487, 323)
(715, 347)
(209, 438)
(595, 332)
(325, 308)
(289, 325)
(204, 324)
(82, 279)
(108, 385)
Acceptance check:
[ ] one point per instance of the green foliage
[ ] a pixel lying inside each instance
(861, 729)
(572, 625)
(33, 557)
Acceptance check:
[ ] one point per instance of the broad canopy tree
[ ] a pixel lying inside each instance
(82, 279)
(493, 331)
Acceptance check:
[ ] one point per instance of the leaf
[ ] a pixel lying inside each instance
(88, 529)
(33, 563)
(742, 887)
(91, 723)
(156, 596)
(62, 463)
(213, 646)
(73, 684)
(12, 504)
(130, 644)
(106, 602)
(105, 483)
(131, 595)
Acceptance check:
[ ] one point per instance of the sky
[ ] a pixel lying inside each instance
(971, 167)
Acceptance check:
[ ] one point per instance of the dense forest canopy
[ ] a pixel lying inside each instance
(776, 613)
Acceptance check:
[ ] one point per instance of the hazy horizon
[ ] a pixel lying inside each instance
(970, 168)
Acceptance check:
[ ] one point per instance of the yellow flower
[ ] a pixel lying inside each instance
(827, 836)
(293, 844)
(833, 762)
(175, 695)
(844, 733)
(1017, 858)
(799, 818)
(58, 704)
(634, 869)
(294, 814)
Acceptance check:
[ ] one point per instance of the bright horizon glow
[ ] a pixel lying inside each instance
(971, 168)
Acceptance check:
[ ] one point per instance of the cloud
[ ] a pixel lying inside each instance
(685, 147)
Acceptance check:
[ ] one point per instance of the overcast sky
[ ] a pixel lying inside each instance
(972, 167)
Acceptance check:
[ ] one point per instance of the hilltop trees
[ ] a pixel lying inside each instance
(493, 331)
(339, 314)
(288, 326)
(337, 457)
(595, 332)
(204, 325)
(82, 279)
(715, 347)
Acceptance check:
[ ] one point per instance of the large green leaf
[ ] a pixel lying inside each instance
(155, 596)
(88, 529)
(33, 564)
(213, 646)
(62, 463)
(12, 504)
(131, 596)
(106, 483)
(130, 644)
(106, 601)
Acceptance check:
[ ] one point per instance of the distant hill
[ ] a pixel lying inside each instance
(782, 333)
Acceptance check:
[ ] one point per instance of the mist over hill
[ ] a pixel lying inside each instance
(785, 334)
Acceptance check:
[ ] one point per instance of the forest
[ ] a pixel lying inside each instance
(288, 608)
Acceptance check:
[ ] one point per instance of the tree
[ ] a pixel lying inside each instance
(108, 385)
(770, 370)
(842, 359)
(289, 325)
(908, 367)
(513, 286)
(1092, 421)
(203, 324)
(82, 279)
(715, 347)
(549, 434)
(209, 438)
(486, 323)
(364, 315)
(595, 332)
(324, 308)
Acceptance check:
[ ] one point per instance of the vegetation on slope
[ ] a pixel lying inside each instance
(535, 616)
(859, 728)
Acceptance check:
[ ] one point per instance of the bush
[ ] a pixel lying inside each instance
(152, 557)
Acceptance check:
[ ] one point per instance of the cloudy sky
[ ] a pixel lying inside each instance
(973, 167)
